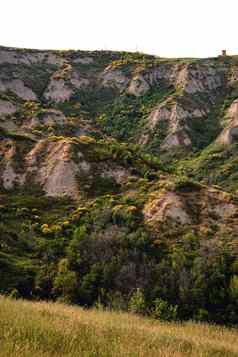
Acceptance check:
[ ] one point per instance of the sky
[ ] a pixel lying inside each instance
(167, 28)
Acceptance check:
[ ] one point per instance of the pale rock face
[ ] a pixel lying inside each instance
(178, 114)
(179, 138)
(165, 72)
(198, 79)
(115, 79)
(167, 206)
(191, 78)
(220, 203)
(7, 108)
(225, 210)
(234, 76)
(186, 140)
(161, 113)
(18, 57)
(10, 178)
(232, 112)
(8, 150)
(51, 117)
(77, 81)
(58, 91)
(53, 59)
(229, 135)
(34, 155)
(60, 179)
(17, 86)
(182, 76)
(9, 125)
(171, 140)
(118, 174)
(57, 172)
(199, 113)
(84, 60)
(174, 115)
(138, 86)
(54, 117)
(144, 139)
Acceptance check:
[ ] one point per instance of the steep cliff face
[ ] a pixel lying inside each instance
(162, 103)
(75, 168)
(49, 99)
(229, 134)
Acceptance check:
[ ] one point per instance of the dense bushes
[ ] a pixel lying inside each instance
(104, 255)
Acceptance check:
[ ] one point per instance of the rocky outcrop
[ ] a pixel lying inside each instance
(7, 108)
(17, 87)
(201, 78)
(57, 166)
(173, 116)
(176, 138)
(28, 58)
(114, 78)
(84, 60)
(229, 134)
(58, 91)
(201, 207)
(63, 85)
(138, 86)
(171, 100)
(165, 206)
(10, 178)
(192, 78)
(53, 169)
(47, 117)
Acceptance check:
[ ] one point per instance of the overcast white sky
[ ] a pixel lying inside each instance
(181, 28)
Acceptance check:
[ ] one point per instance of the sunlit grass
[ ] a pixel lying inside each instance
(48, 329)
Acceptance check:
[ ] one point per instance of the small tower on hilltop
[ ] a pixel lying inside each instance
(223, 53)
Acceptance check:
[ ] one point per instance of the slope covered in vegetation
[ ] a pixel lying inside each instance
(118, 181)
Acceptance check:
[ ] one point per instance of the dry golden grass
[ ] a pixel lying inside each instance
(43, 329)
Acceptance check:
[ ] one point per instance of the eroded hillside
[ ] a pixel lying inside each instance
(108, 162)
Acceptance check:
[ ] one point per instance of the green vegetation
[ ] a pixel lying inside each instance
(103, 253)
(215, 165)
(147, 233)
(127, 116)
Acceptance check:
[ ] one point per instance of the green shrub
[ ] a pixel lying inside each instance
(65, 282)
(184, 184)
(14, 294)
(164, 311)
(137, 302)
(234, 287)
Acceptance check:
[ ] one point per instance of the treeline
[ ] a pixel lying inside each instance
(104, 256)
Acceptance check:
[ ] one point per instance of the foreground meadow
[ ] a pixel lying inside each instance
(45, 329)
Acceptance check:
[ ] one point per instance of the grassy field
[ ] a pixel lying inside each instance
(49, 329)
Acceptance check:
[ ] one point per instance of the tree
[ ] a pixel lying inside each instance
(65, 282)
